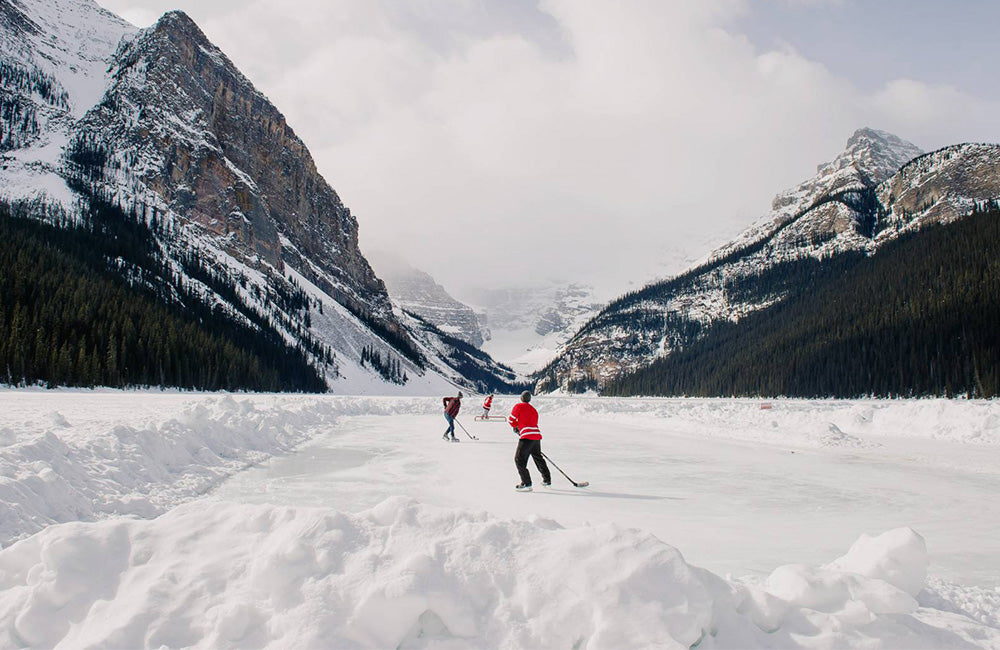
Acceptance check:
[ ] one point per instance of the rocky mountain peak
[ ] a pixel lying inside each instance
(870, 157)
(178, 18)
(180, 33)
(874, 153)
(181, 121)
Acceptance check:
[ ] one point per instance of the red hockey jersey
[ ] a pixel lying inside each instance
(451, 405)
(524, 418)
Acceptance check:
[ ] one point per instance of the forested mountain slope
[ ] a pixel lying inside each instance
(159, 124)
(917, 319)
(854, 206)
(68, 319)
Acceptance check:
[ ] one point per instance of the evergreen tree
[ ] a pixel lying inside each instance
(916, 319)
(70, 316)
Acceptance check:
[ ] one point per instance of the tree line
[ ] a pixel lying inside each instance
(389, 367)
(88, 303)
(918, 318)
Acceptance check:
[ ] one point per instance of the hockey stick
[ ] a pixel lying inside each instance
(466, 430)
(581, 484)
(575, 484)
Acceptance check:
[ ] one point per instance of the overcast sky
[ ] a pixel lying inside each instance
(495, 142)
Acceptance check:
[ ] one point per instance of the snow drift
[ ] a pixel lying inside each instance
(406, 575)
(61, 471)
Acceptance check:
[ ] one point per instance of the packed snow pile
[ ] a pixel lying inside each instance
(55, 469)
(977, 603)
(898, 557)
(407, 575)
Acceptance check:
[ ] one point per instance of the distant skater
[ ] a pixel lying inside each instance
(487, 404)
(524, 419)
(451, 407)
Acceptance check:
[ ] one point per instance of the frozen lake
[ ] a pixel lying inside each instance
(731, 506)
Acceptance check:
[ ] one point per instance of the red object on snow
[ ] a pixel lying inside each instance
(451, 405)
(524, 418)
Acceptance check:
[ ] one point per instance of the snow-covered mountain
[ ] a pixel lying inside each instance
(160, 123)
(418, 292)
(528, 324)
(871, 157)
(53, 64)
(878, 188)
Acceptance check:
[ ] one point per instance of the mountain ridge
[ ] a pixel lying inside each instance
(841, 209)
(915, 320)
(418, 292)
(159, 122)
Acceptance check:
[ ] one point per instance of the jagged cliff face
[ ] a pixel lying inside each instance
(181, 121)
(417, 292)
(878, 188)
(161, 124)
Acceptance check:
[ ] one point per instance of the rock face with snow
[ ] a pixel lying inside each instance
(161, 123)
(528, 324)
(53, 64)
(181, 121)
(545, 308)
(878, 188)
(417, 292)
(871, 157)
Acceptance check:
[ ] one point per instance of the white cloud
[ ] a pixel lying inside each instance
(935, 114)
(578, 140)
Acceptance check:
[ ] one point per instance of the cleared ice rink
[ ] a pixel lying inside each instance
(740, 506)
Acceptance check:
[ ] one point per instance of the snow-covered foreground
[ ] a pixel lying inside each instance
(365, 530)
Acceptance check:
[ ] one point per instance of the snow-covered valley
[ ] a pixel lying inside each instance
(149, 519)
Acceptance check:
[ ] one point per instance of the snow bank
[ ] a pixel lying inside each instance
(52, 471)
(406, 575)
(898, 557)
(806, 423)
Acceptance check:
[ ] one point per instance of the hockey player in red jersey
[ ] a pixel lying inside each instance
(487, 404)
(524, 419)
(451, 407)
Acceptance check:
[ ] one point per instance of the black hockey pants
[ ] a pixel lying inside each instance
(532, 448)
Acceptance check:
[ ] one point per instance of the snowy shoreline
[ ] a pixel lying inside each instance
(104, 491)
